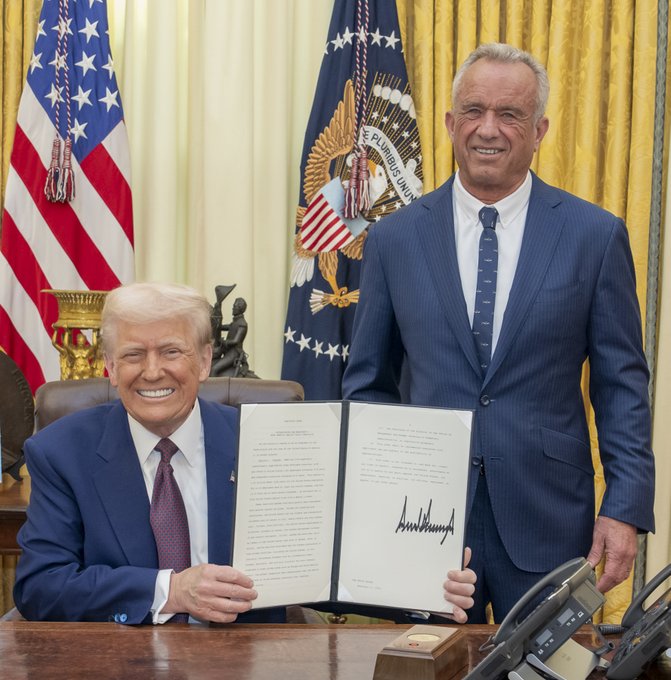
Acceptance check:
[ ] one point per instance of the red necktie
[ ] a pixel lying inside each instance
(168, 517)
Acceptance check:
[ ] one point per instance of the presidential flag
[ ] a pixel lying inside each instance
(361, 161)
(67, 221)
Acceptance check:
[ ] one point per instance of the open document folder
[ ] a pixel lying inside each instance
(351, 502)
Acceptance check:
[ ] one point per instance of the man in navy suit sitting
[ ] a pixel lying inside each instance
(94, 546)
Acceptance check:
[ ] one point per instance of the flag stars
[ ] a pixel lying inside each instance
(347, 36)
(344, 352)
(317, 349)
(90, 30)
(63, 27)
(392, 40)
(337, 43)
(92, 1)
(303, 343)
(332, 351)
(86, 63)
(110, 98)
(376, 38)
(40, 30)
(362, 37)
(109, 66)
(82, 97)
(77, 130)
(289, 335)
(55, 95)
(58, 62)
(35, 61)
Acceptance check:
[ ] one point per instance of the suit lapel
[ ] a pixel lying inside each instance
(120, 486)
(541, 234)
(220, 451)
(436, 234)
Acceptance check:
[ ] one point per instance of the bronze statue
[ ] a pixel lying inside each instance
(228, 355)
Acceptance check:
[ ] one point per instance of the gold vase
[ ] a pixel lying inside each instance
(77, 333)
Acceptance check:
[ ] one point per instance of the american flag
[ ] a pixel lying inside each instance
(85, 243)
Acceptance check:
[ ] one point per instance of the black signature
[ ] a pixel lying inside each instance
(423, 524)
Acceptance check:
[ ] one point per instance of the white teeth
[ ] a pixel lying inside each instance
(155, 394)
(489, 152)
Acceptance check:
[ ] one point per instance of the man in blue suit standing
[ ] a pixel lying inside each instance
(90, 549)
(489, 294)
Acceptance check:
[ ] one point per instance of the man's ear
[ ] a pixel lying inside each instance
(206, 362)
(542, 127)
(449, 123)
(110, 367)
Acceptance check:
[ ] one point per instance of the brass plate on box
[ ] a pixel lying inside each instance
(423, 653)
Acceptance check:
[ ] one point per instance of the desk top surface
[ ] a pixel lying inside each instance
(180, 651)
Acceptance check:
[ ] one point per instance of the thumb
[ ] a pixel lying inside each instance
(467, 557)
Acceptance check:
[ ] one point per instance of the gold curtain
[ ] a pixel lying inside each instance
(19, 25)
(600, 56)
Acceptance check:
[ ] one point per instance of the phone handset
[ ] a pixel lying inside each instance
(575, 571)
(546, 628)
(648, 632)
(635, 610)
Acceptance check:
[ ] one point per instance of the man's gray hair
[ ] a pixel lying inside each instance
(507, 54)
(141, 303)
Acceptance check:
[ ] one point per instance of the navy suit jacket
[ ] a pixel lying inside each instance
(573, 297)
(88, 549)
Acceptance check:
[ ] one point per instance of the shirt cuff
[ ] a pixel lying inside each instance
(161, 592)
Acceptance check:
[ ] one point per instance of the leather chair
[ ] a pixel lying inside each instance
(56, 399)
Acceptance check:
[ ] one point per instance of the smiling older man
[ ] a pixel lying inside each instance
(100, 543)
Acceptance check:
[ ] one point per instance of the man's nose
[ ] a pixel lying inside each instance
(489, 124)
(153, 366)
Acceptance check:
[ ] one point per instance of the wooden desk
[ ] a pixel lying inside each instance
(13, 503)
(180, 651)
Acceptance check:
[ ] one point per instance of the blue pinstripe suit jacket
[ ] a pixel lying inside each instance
(573, 298)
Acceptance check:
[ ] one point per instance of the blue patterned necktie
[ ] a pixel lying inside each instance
(168, 518)
(485, 294)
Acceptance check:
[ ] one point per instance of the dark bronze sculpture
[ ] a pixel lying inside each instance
(228, 355)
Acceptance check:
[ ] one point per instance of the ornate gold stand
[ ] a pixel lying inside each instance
(79, 311)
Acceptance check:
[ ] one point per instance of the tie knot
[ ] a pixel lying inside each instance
(167, 448)
(488, 217)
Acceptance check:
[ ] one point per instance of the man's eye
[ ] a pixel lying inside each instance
(172, 353)
(132, 356)
(508, 116)
(472, 113)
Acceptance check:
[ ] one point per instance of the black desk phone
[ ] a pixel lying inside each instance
(571, 603)
(648, 634)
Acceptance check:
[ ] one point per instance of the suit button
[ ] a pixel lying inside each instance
(116, 618)
(485, 400)
(475, 462)
(123, 618)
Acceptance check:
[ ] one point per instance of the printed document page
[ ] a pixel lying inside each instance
(287, 483)
(404, 504)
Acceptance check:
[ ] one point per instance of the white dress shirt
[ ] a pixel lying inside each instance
(190, 473)
(509, 232)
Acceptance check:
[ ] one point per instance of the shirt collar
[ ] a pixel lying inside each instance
(185, 437)
(508, 207)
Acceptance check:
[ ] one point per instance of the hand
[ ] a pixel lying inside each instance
(459, 588)
(616, 541)
(210, 592)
